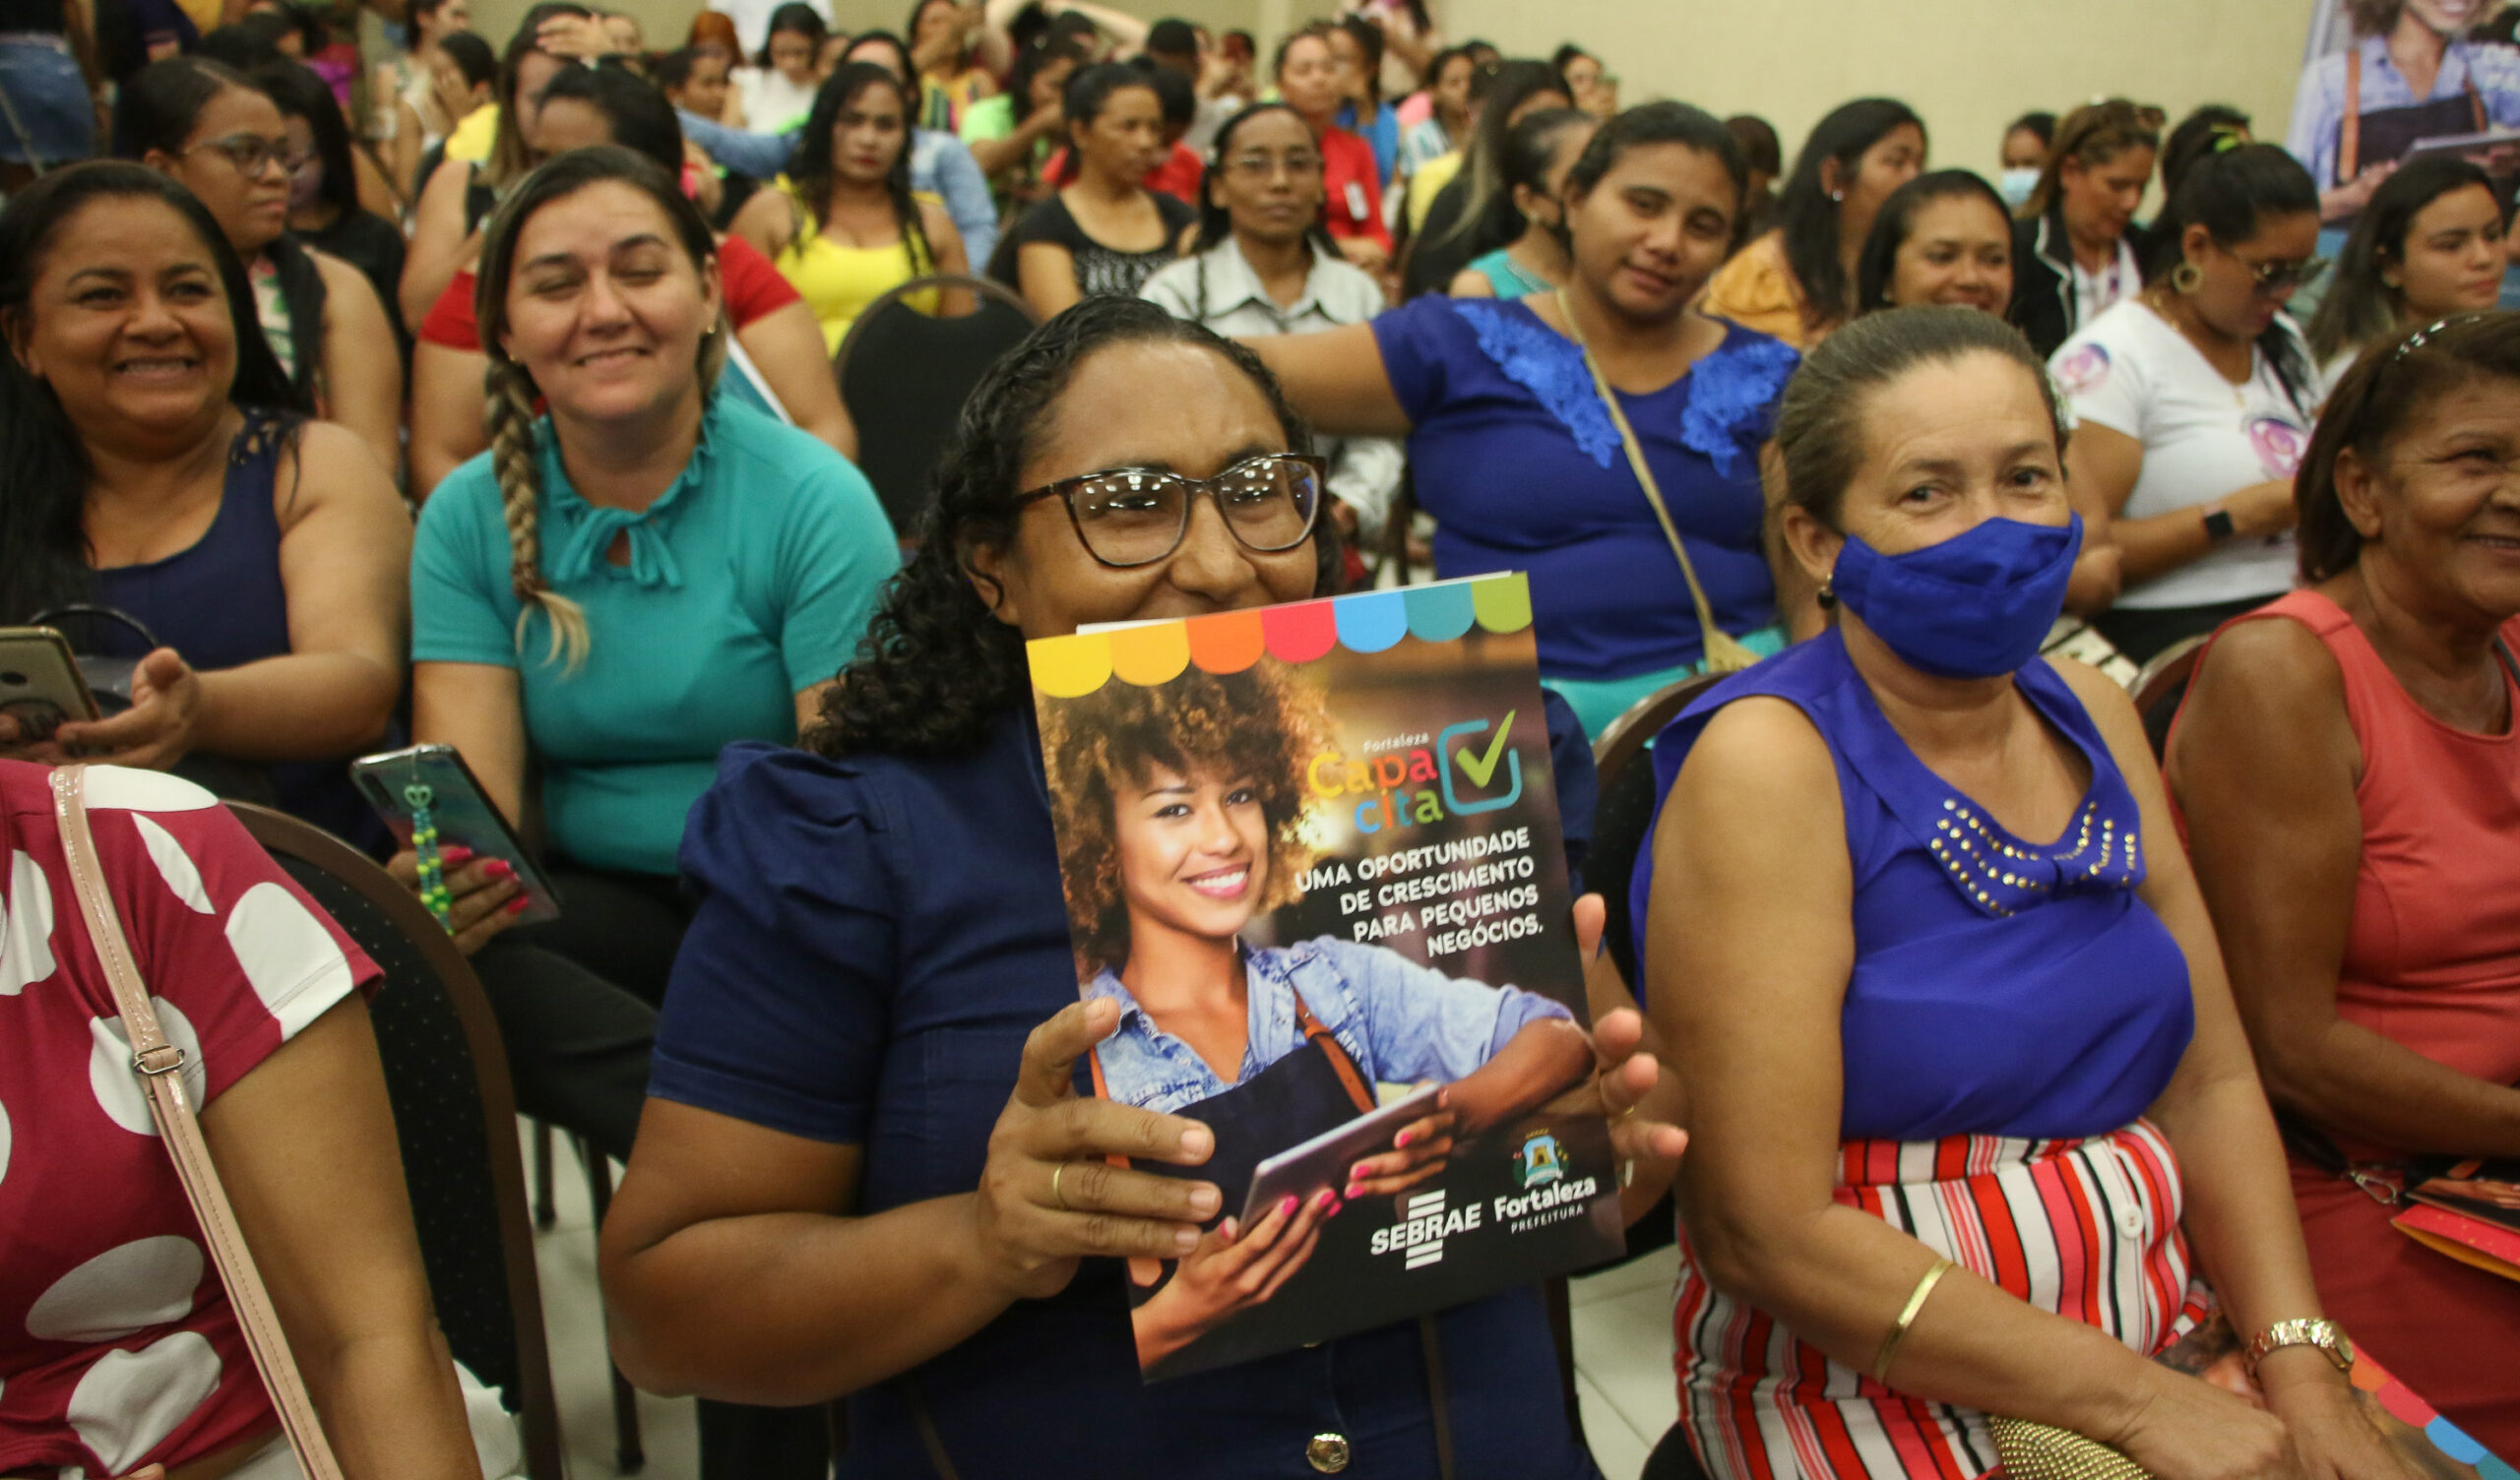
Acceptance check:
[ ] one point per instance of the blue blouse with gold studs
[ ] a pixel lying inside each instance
(2002, 986)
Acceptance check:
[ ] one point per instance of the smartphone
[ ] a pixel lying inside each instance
(1323, 1162)
(397, 783)
(40, 686)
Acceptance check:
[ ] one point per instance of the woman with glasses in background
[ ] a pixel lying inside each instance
(2194, 401)
(1261, 264)
(213, 132)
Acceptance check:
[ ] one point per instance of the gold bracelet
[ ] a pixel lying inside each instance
(1906, 1317)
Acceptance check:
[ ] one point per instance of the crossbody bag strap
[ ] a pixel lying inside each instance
(2349, 142)
(160, 1064)
(1723, 654)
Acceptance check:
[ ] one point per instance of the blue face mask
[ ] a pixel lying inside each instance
(2016, 184)
(1977, 605)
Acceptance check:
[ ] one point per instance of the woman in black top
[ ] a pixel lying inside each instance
(324, 212)
(2074, 244)
(1104, 232)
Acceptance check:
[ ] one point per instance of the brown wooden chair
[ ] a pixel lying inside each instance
(455, 1116)
(2160, 687)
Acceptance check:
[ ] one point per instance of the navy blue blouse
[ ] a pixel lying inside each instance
(874, 939)
(1522, 469)
(2001, 986)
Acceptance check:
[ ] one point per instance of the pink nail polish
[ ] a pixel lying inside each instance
(1325, 1199)
(456, 855)
(516, 907)
(499, 868)
(1287, 1208)
(1404, 1137)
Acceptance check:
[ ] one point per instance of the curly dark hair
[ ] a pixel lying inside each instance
(1263, 723)
(936, 668)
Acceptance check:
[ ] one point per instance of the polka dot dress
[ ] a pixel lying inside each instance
(117, 1344)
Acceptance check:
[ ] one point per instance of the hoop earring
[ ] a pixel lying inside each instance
(2185, 278)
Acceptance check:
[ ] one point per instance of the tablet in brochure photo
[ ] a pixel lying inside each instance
(1314, 852)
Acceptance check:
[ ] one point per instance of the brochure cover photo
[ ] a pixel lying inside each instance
(1314, 852)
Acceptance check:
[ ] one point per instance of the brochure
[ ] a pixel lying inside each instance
(1314, 852)
(2470, 1211)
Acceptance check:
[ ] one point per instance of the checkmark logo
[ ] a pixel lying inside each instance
(1483, 768)
(1480, 768)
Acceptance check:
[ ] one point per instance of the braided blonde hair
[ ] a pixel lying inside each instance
(508, 413)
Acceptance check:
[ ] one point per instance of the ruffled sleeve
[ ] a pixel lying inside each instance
(1426, 344)
(1733, 401)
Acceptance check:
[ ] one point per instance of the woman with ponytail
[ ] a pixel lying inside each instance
(611, 594)
(843, 225)
(2195, 401)
(1798, 282)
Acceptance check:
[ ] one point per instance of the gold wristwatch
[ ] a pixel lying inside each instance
(2326, 1336)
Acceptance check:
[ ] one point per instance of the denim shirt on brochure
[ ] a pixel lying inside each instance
(1402, 1022)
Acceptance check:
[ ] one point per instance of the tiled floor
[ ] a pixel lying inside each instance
(1622, 1356)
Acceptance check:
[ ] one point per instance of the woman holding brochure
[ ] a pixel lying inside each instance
(1181, 813)
(866, 1169)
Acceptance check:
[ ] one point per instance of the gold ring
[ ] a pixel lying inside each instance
(1055, 1174)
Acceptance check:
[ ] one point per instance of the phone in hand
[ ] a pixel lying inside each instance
(40, 686)
(402, 784)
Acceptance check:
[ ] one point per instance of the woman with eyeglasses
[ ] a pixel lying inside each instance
(2195, 400)
(211, 129)
(1261, 264)
(864, 1169)
(2430, 243)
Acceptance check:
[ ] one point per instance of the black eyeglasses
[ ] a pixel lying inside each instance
(1136, 516)
(252, 153)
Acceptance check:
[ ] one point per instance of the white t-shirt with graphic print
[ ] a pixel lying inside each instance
(2203, 438)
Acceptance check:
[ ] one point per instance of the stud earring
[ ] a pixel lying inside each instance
(1828, 594)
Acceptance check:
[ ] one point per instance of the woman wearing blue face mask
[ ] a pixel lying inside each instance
(1959, 1046)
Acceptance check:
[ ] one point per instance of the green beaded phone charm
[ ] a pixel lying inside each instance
(432, 865)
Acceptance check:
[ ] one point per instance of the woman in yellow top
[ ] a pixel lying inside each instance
(842, 224)
(1798, 281)
(944, 39)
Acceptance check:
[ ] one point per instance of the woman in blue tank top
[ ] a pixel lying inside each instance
(150, 460)
(1959, 1049)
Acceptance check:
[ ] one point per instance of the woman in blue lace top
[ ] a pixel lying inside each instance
(1521, 463)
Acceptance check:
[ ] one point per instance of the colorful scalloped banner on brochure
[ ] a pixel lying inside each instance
(2400, 1402)
(1157, 652)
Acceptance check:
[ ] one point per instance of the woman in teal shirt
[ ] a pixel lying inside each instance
(618, 591)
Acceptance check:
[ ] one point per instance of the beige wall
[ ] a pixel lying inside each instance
(1967, 66)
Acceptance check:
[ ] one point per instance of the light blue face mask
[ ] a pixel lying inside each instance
(1977, 605)
(2016, 184)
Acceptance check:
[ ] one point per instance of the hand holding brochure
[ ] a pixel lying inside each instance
(1313, 853)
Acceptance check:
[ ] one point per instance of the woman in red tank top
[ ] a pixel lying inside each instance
(2349, 781)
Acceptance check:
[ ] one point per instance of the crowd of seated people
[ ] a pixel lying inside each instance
(479, 392)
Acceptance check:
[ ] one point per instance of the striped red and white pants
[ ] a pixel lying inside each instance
(2087, 1229)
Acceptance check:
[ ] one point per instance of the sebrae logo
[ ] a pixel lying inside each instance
(1539, 1160)
(1423, 1224)
(1469, 776)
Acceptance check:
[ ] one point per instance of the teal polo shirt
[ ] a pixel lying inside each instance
(751, 578)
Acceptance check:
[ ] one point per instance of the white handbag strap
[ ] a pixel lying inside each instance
(160, 1064)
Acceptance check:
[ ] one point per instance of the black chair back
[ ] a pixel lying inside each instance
(2158, 689)
(454, 1114)
(1624, 763)
(904, 376)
